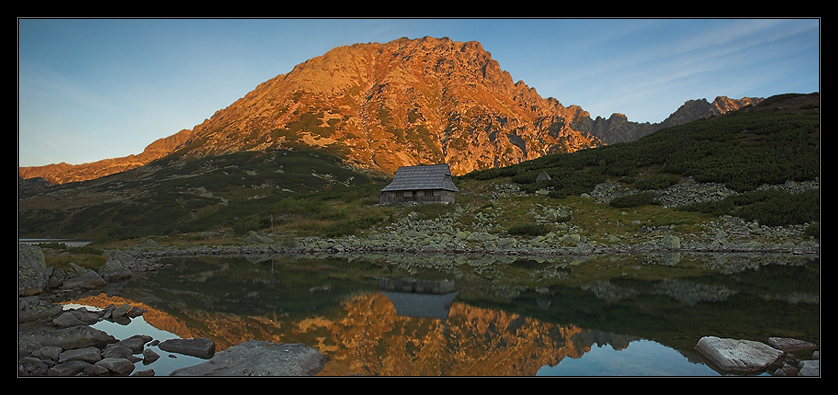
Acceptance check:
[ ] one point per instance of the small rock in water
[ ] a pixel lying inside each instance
(199, 347)
(789, 344)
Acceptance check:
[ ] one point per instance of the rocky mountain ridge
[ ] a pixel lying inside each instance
(618, 129)
(62, 173)
(406, 102)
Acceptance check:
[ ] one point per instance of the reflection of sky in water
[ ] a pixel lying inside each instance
(164, 365)
(640, 358)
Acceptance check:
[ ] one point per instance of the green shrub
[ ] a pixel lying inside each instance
(781, 208)
(528, 230)
(244, 225)
(493, 173)
(813, 230)
(431, 210)
(350, 227)
(771, 208)
(660, 181)
(634, 200)
(86, 249)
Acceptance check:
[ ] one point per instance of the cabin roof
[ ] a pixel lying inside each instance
(409, 178)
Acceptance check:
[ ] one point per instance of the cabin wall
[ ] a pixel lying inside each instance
(418, 196)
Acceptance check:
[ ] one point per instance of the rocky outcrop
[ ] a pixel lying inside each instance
(701, 108)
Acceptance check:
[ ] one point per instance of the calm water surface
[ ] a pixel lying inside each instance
(462, 315)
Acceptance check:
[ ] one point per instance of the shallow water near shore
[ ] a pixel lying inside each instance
(478, 315)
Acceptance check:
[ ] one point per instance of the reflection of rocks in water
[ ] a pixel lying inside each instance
(794, 298)
(684, 291)
(257, 258)
(609, 292)
(419, 298)
(692, 293)
(671, 258)
(730, 263)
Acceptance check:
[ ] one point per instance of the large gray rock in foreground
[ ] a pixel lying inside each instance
(260, 358)
(737, 356)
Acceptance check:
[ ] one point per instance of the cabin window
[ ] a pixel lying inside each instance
(429, 193)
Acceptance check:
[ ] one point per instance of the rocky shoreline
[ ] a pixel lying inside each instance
(147, 257)
(54, 341)
(57, 341)
(444, 235)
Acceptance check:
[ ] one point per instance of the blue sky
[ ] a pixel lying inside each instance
(92, 89)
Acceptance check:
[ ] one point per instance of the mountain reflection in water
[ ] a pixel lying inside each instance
(434, 315)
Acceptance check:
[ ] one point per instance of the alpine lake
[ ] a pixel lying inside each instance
(465, 315)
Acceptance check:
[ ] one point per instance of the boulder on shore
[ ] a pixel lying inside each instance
(260, 358)
(83, 279)
(32, 273)
(737, 356)
(114, 271)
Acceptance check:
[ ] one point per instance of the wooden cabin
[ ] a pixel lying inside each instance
(420, 184)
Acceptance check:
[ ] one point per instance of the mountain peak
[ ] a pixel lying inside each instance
(405, 102)
(381, 106)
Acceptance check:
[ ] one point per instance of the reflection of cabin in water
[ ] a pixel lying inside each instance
(417, 298)
(420, 184)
